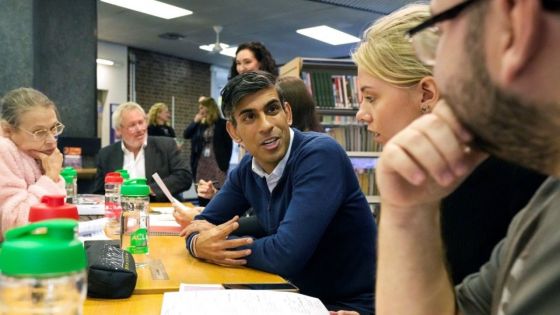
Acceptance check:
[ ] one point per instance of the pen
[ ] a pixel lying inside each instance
(214, 182)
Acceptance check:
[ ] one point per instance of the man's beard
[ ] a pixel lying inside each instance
(503, 124)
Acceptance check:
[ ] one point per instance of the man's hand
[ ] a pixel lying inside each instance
(206, 189)
(426, 161)
(52, 164)
(185, 215)
(196, 226)
(213, 245)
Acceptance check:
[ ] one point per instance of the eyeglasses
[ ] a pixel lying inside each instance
(425, 36)
(43, 134)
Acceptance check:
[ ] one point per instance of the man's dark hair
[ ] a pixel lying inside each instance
(243, 85)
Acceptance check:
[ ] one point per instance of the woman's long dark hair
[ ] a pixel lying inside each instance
(262, 55)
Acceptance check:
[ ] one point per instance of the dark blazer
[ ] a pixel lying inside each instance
(161, 156)
(221, 143)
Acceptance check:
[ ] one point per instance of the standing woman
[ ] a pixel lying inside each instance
(211, 145)
(252, 56)
(397, 88)
(158, 121)
(30, 161)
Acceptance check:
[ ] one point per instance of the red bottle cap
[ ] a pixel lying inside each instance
(53, 207)
(113, 177)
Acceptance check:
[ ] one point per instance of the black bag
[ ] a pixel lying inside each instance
(111, 271)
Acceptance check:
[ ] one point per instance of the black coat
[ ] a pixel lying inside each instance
(221, 142)
(161, 155)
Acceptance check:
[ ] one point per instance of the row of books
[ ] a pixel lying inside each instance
(366, 178)
(364, 168)
(333, 90)
(354, 138)
(337, 120)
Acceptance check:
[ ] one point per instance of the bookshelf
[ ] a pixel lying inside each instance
(333, 85)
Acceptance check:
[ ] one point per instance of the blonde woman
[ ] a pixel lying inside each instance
(30, 162)
(158, 121)
(397, 88)
(211, 147)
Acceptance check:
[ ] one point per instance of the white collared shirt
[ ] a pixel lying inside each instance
(273, 178)
(135, 166)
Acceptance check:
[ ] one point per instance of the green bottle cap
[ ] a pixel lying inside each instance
(42, 249)
(124, 173)
(68, 178)
(135, 187)
(68, 171)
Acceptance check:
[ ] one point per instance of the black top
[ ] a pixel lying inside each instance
(221, 142)
(161, 130)
(476, 216)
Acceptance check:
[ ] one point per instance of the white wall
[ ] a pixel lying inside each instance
(217, 81)
(114, 79)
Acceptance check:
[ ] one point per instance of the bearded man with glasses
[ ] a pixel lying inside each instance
(496, 62)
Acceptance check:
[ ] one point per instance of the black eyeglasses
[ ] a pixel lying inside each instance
(448, 14)
(425, 36)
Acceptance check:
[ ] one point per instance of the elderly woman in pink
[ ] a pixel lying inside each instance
(30, 162)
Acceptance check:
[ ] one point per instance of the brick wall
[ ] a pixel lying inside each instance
(159, 77)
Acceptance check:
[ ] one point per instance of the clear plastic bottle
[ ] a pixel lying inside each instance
(70, 176)
(34, 279)
(113, 209)
(135, 222)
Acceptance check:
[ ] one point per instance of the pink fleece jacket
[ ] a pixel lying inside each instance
(21, 185)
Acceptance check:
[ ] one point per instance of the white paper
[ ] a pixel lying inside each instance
(163, 220)
(92, 230)
(240, 302)
(166, 192)
(91, 209)
(184, 287)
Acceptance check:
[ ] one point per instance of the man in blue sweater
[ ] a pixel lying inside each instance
(320, 230)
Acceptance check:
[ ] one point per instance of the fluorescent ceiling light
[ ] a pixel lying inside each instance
(226, 49)
(230, 51)
(105, 62)
(152, 7)
(328, 35)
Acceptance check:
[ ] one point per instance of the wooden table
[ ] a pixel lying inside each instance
(145, 304)
(180, 267)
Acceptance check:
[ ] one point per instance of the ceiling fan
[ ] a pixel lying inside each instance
(217, 47)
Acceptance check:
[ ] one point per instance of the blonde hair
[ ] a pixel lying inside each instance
(124, 107)
(16, 102)
(154, 112)
(212, 107)
(387, 54)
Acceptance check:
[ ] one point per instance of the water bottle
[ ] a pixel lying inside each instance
(52, 207)
(43, 270)
(124, 174)
(113, 182)
(71, 183)
(135, 200)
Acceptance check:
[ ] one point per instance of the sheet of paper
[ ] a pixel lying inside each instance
(162, 220)
(240, 302)
(184, 287)
(92, 230)
(166, 191)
